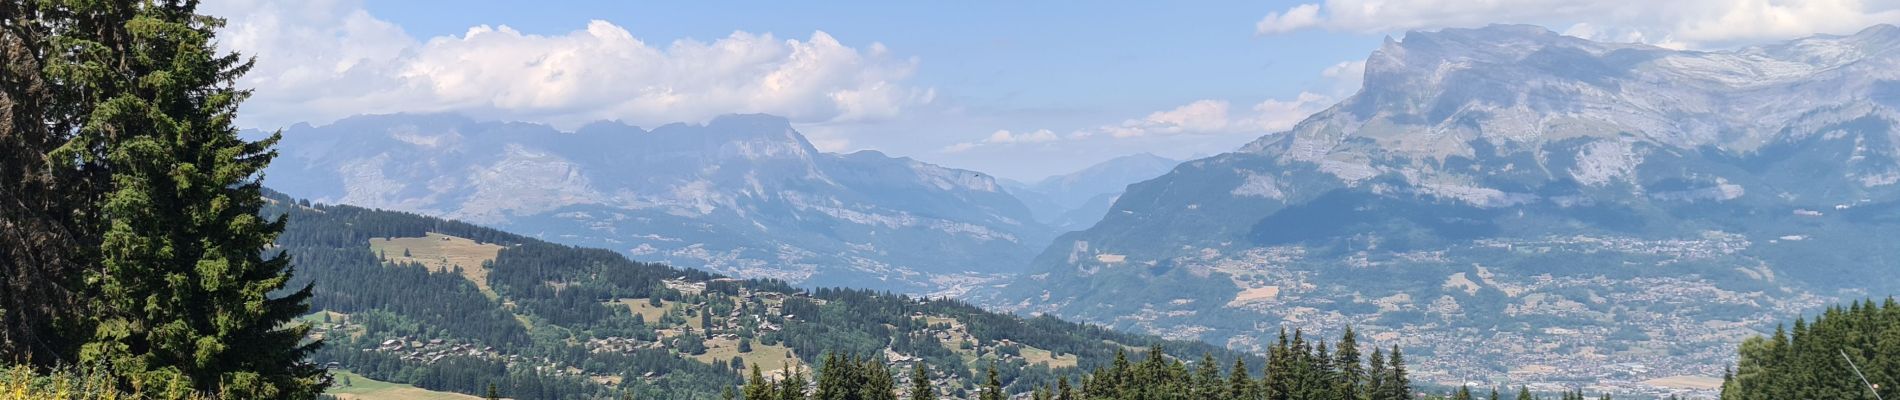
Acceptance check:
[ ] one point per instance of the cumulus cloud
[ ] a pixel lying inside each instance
(1204, 116)
(1690, 23)
(326, 59)
(1296, 18)
(1005, 137)
(1276, 115)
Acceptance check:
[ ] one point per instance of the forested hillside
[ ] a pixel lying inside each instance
(1845, 353)
(411, 299)
(1296, 369)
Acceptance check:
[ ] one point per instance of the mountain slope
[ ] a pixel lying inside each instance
(742, 194)
(449, 306)
(1509, 197)
(1076, 200)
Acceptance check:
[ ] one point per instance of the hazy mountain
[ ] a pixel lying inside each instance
(743, 194)
(1512, 200)
(416, 300)
(1076, 200)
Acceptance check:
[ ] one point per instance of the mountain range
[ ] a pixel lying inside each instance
(1522, 206)
(1077, 200)
(1510, 204)
(742, 194)
(453, 307)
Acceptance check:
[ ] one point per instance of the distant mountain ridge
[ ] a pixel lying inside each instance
(1076, 200)
(451, 306)
(742, 194)
(1525, 189)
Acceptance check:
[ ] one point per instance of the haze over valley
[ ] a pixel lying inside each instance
(1339, 200)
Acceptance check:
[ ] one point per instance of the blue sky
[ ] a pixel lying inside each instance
(1017, 89)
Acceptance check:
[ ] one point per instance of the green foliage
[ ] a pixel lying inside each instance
(1812, 360)
(1296, 370)
(183, 298)
(922, 389)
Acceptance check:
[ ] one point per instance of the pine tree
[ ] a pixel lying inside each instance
(1063, 391)
(1239, 385)
(493, 394)
(756, 388)
(992, 387)
(793, 388)
(1494, 394)
(1377, 387)
(1346, 359)
(1463, 393)
(877, 383)
(1399, 384)
(48, 230)
(1207, 380)
(182, 292)
(1524, 393)
(920, 387)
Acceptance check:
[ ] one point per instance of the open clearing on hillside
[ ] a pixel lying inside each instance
(1686, 382)
(1259, 293)
(647, 311)
(769, 358)
(1039, 356)
(441, 252)
(362, 388)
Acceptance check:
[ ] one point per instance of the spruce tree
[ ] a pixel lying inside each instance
(920, 387)
(1346, 360)
(877, 381)
(992, 387)
(756, 388)
(48, 229)
(182, 294)
(1377, 387)
(1399, 384)
(1207, 380)
(1524, 393)
(1063, 391)
(793, 387)
(1239, 385)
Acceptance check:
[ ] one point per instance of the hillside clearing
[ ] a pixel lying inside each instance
(769, 358)
(441, 252)
(1686, 382)
(362, 388)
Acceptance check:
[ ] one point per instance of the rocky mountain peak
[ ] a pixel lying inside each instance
(1435, 93)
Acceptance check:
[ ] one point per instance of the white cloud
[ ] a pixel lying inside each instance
(327, 59)
(1296, 18)
(1204, 116)
(1005, 137)
(1690, 23)
(1209, 117)
(1276, 115)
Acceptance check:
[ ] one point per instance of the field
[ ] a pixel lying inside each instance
(769, 358)
(1686, 382)
(650, 313)
(1040, 356)
(1259, 293)
(442, 252)
(361, 388)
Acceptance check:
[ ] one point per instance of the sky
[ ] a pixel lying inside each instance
(1020, 90)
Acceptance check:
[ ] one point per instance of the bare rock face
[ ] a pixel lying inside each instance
(741, 194)
(1601, 204)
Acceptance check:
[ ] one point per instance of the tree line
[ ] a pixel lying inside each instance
(1845, 353)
